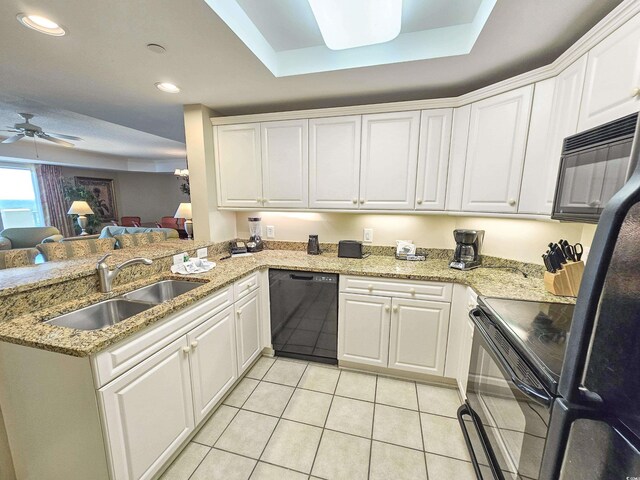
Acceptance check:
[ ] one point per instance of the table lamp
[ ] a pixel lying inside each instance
(184, 211)
(81, 208)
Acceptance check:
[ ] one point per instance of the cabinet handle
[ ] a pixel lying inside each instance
(412, 291)
(362, 200)
(239, 312)
(250, 286)
(194, 344)
(386, 308)
(419, 201)
(395, 309)
(370, 288)
(186, 350)
(355, 200)
(635, 92)
(512, 202)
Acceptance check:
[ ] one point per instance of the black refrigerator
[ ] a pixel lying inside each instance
(594, 430)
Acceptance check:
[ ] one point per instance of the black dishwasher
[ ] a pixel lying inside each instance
(304, 315)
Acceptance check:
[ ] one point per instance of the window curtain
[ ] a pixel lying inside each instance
(54, 206)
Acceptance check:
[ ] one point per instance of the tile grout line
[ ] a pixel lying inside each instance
(324, 425)
(373, 422)
(279, 418)
(424, 445)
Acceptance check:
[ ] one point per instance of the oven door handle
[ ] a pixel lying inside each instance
(486, 445)
(536, 394)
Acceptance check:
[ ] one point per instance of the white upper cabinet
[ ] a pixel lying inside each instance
(389, 161)
(612, 85)
(554, 116)
(238, 165)
(495, 152)
(285, 163)
(433, 158)
(334, 162)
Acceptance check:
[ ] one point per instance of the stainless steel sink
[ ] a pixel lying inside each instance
(161, 291)
(100, 315)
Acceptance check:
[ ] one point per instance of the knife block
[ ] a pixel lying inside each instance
(565, 282)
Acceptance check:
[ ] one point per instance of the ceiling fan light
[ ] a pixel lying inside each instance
(41, 24)
(167, 87)
(357, 23)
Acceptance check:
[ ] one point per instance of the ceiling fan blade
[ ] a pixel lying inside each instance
(15, 138)
(44, 136)
(12, 130)
(66, 137)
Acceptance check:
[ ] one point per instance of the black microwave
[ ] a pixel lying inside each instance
(594, 165)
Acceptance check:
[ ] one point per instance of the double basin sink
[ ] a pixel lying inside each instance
(115, 310)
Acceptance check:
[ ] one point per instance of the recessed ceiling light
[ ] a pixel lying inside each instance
(167, 87)
(357, 23)
(41, 24)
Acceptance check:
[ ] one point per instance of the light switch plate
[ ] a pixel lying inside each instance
(202, 252)
(178, 258)
(271, 231)
(368, 235)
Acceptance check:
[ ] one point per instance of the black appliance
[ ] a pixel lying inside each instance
(255, 243)
(313, 245)
(468, 246)
(304, 315)
(594, 165)
(516, 360)
(350, 249)
(579, 376)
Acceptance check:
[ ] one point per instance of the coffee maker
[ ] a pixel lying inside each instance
(255, 243)
(467, 253)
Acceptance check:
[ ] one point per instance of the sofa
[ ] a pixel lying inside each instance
(27, 237)
(120, 232)
(18, 257)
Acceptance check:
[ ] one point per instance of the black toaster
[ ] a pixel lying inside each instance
(350, 249)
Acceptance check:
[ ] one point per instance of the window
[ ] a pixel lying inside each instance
(19, 197)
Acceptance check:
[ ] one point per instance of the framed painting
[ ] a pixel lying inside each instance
(102, 190)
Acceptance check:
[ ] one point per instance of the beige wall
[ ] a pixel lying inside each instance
(6, 464)
(146, 195)
(524, 240)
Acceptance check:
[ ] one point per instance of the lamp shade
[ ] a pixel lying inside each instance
(80, 207)
(184, 211)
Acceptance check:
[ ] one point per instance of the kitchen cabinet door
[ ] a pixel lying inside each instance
(213, 361)
(433, 158)
(457, 157)
(363, 329)
(418, 339)
(334, 162)
(612, 84)
(238, 165)
(495, 153)
(148, 412)
(248, 330)
(389, 161)
(554, 116)
(285, 164)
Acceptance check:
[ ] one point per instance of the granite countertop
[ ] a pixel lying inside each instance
(29, 330)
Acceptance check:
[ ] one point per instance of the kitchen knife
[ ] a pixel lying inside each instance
(555, 262)
(569, 252)
(547, 264)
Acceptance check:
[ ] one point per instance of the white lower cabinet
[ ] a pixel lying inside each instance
(248, 330)
(392, 331)
(148, 412)
(363, 329)
(418, 338)
(213, 361)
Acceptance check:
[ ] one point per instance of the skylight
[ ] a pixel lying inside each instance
(295, 37)
(356, 23)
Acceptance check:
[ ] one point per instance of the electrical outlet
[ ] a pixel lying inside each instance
(179, 258)
(202, 252)
(368, 235)
(271, 231)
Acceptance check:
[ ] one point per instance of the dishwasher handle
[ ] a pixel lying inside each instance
(296, 276)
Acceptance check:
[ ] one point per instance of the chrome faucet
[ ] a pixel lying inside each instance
(108, 276)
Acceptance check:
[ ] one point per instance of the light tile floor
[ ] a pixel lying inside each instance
(290, 420)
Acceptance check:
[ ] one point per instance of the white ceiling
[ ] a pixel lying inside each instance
(103, 70)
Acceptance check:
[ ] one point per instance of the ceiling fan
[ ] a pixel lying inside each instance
(30, 130)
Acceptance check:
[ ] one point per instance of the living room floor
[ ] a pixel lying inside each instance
(297, 420)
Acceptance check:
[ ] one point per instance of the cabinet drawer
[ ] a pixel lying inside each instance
(245, 286)
(122, 356)
(388, 287)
